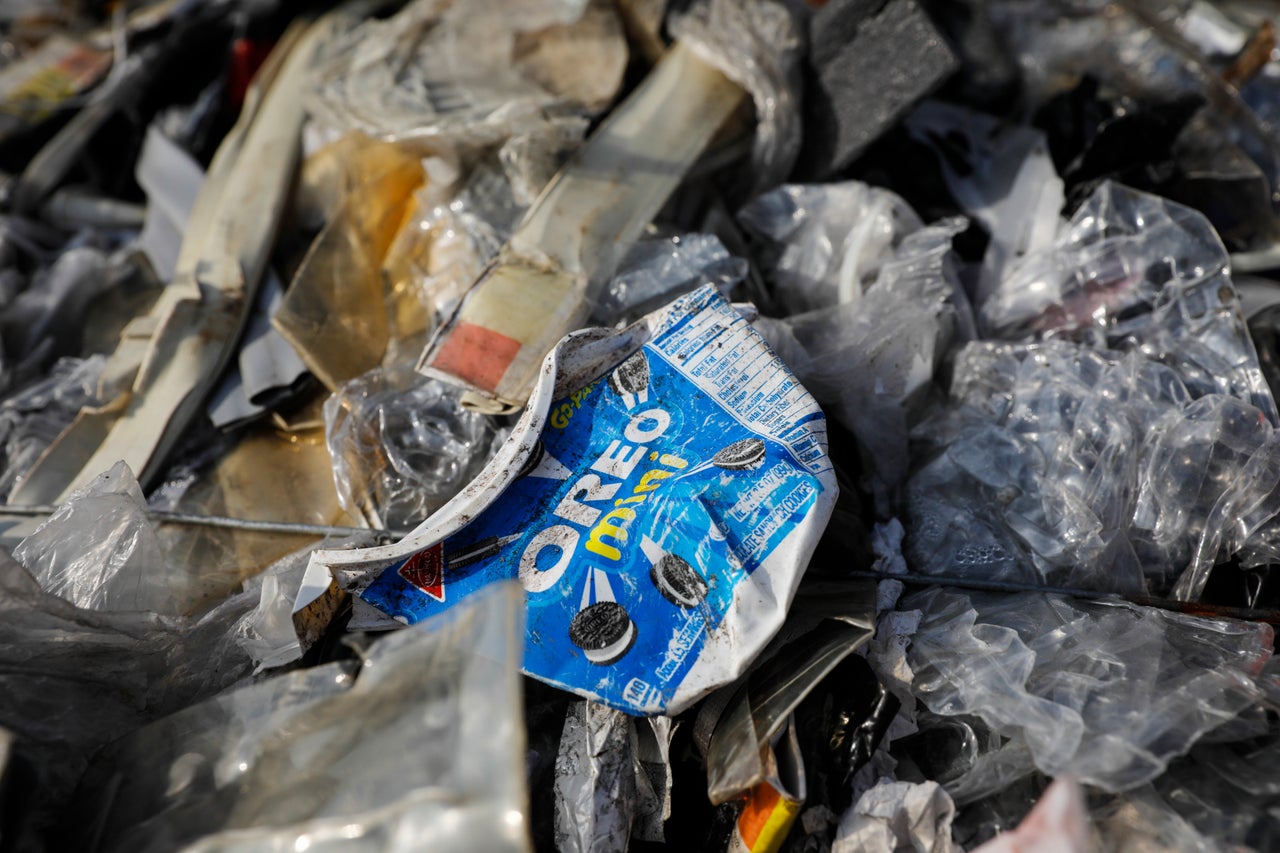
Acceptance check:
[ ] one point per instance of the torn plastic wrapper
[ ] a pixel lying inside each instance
(773, 803)
(659, 499)
(213, 776)
(545, 280)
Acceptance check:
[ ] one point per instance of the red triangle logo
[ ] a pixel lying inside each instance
(425, 570)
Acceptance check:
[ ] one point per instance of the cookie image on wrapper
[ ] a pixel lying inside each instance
(741, 455)
(630, 380)
(678, 581)
(604, 631)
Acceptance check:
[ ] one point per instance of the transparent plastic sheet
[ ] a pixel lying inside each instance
(457, 73)
(759, 47)
(1054, 42)
(403, 445)
(897, 816)
(1134, 271)
(871, 363)
(334, 313)
(31, 419)
(424, 751)
(656, 271)
(75, 679)
(1060, 464)
(1106, 692)
(826, 242)
(1139, 820)
(99, 550)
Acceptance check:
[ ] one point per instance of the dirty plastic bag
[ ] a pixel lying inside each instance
(403, 445)
(758, 46)
(309, 760)
(826, 242)
(454, 73)
(595, 780)
(659, 499)
(1134, 271)
(99, 550)
(1107, 692)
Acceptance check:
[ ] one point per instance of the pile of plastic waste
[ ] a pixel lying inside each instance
(591, 425)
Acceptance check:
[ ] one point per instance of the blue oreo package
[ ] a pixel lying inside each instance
(659, 518)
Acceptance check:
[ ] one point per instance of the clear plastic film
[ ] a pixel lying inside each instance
(1058, 463)
(33, 418)
(656, 271)
(423, 750)
(1134, 271)
(1106, 692)
(463, 75)
(99, 551)
(76, 679)
(403, 445)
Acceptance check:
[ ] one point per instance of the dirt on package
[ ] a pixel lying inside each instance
(659, 501)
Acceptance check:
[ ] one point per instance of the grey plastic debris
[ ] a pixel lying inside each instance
(596, 774)
(424, 750)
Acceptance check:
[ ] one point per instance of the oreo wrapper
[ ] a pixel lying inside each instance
(659, 531)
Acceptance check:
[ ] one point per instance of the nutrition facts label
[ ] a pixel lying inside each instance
(716, 349)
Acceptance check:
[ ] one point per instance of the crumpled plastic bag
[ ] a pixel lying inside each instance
(403, 445)
(656, 271)
(458, 74)
(1107, 692)
(423, 751)
(871, 362)
(825, 243)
